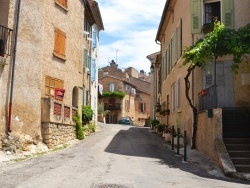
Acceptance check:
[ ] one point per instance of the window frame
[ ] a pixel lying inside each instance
(62, 3)
(51, 84)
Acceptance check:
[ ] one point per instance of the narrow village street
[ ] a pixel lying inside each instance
(114, 156)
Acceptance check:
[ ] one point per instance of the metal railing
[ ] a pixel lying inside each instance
(115, 106)
(5, 41)
(208, 99)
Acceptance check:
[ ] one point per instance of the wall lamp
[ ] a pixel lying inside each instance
(152, 67)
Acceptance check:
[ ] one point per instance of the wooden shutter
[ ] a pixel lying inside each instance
(228, 13)
(56, 40)
(62, 43)
(59, 43)
(196, 16)
(85, 58)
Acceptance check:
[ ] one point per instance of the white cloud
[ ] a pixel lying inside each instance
(134, 25)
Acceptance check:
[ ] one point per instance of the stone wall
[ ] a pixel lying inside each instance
(56, 134)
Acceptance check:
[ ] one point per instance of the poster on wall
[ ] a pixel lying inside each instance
(59, 94)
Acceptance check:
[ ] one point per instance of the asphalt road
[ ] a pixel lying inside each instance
(114, 157)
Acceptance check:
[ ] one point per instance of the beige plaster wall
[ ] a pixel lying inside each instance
(208, 130)
(183, 116)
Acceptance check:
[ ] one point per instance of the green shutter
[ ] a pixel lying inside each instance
(165, 65)
(228, 6)
(196, 16)
(85, 58)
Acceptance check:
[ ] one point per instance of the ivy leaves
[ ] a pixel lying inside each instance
(220, 42)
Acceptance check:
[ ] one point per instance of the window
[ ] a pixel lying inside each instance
(62, 3)
(59, 43)
(93, 70)
(143, 107)
(87, 28)
(222, 9)
(111, 87)
(173, 97)
(127, 105)
(51, 84)
(178, 93)
(94, 40)
(212, 11)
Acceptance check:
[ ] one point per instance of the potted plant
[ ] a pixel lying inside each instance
(154, 122)
(167, 131)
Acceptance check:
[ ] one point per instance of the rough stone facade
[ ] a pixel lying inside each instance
(35, 59)
(56, 134)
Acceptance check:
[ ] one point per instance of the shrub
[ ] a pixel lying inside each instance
(154, 122)
(79, 131)
(87, 114)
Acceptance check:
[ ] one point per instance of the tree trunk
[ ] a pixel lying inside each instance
(195, 116)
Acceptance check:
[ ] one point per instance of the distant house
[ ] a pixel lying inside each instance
(136, 88)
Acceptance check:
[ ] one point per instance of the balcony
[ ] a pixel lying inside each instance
(5, 41)
(114, 106)
(56, 112)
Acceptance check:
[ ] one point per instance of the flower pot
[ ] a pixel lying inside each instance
(167, 137)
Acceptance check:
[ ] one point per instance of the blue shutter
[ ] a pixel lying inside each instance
(93, 70)
(94, 39)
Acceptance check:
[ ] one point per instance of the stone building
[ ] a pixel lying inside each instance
(182, 24)
(48, 66)
(135, 86)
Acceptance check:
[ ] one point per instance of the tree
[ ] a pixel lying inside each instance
(220, 42)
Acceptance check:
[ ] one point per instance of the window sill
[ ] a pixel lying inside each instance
(64, 8)
(59, 56)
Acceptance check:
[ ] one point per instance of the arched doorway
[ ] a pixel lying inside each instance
(75, 97)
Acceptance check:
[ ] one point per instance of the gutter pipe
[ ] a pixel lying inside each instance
(13, 67)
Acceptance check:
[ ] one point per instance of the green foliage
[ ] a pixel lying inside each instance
(79, 131)
(119, 94)
(88, 129)
(101, 109)
(154, 122)
(87, 114)
(221, 41)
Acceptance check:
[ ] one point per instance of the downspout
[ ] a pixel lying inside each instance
(13, 67)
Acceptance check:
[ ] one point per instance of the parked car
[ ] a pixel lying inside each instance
(125, 121)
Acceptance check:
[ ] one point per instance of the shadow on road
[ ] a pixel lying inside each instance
(140, 142)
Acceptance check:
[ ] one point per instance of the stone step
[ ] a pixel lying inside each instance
(237, 147)
(243, 168)
(236, 140)
(245, 134)
(238, 154)
(236, 128)
(241, 161)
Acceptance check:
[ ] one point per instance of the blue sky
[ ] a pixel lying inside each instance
(130, 27)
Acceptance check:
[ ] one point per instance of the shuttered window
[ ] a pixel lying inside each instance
(228, 13)
(85, 58)
(196, 16)
(178, 97)
(173, 90)
(93, 70)
(62, 3)
(59, 43)
(50, 85)
(94, 39)
(143, 107)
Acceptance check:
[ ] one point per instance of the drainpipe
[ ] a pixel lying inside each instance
(13, 68)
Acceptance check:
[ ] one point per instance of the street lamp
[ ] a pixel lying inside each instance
(152, 68)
